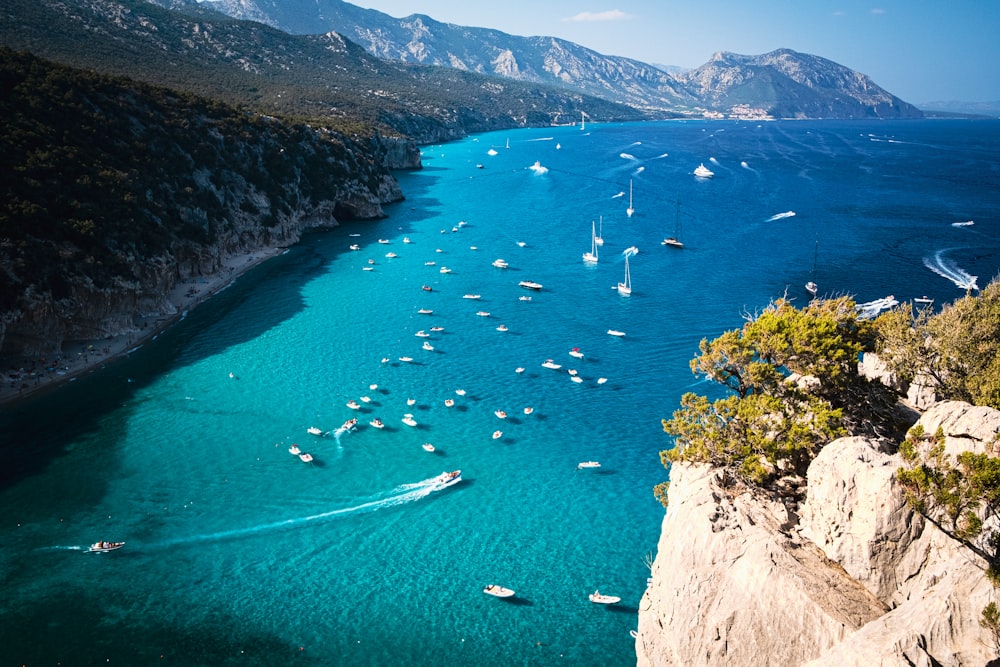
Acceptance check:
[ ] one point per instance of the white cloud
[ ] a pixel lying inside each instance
(610, 15)
(878, 11)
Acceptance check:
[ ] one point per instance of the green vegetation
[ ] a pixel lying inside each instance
(956, 352)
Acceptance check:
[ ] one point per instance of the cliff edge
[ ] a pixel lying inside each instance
(851, 577)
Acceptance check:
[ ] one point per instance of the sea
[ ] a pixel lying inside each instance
(239, 553)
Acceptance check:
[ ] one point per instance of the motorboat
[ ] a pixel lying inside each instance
(428, 447)
(406, 239)
(548, 363)
(425, 311)
(391, 255)
(460, 392)
(373, 386)
(483, 313)
(501, 414)
(519, 370)
(353, 405)
(312, 430)
(615, 332)
(572, 371)
(306, 457)
(588, 464)
(812, 288)
(427, 288)
(294, 450)
(471, 296)
(355, 246)
(497, 434)
(524, 298)
(349, 424)
(498, 591)
(923, 300)
(444, 269)
(367, 268)
(576, 378)
(411, 401)
(448, 478)
(575, 352)
(376, 423)
(383, 241)
(406, 360)
(527, 284)
(502, 327)
(701, 171)
(430, 263)
(449, 402)
(528, 410)
(500, 264)
(409, 420)
(104, 547)
(599, 598)
(601, 380)
(427, 346)
(366, 399)
(437, 328)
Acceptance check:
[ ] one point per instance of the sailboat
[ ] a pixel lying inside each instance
(675, 239)
(811, 286)
(625, 288)
(630, 210)
(591, 257)
(599, 239)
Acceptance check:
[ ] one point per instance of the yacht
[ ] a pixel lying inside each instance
(703, 172)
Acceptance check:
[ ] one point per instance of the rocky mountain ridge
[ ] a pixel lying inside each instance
(780, 84)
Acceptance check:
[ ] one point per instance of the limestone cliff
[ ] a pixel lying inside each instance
(856, 578)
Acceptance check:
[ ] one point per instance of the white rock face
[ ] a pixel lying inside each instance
(858, 579)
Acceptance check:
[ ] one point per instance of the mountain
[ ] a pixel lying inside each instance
(781, 84)
(321, 77)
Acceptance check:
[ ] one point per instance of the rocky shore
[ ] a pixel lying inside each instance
(852, 576)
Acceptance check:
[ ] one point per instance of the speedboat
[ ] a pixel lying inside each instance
(411, 401)
(498, 591)
(524, 298)
(391, 255)
(615, 332)
(500, 264)
(314, 431)
(376, 423)
(428, 447)
(104, 547)
(294, 450)
(497, 434)
(448, 478)
(460, 392)
(355, 246)
(444, 269)
(501, 414)
(448, 402)
(599, 598)
(575, 352)
(588, 464)
(353, 405)
(502, 327)
(406, 239)
(366, 399)
(471, 296)
(306, 457)
(924, 300)
(431, 263)
(548, 363)
(373, 386)
(349, 424)
(527, 284)
(383, 241)
(576, 378)
(528, 410)
(409, 420)
(519, 370)
(427, 346)
(422, 334)
(425, 311)
(483, 313)
(406, 359)
(601, 380)
(703, 172)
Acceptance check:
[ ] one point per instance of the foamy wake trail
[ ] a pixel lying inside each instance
(620, 194)
(779, 216)
(627, 156)
(405, 493)
(947, 268)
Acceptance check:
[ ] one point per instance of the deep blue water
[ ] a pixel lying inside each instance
(239, 553)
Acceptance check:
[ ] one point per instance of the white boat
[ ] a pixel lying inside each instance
(390, 255)
(527, 284)
(500, 264)
(491, 152)
(406, 360)
(353, 405)
(383, 241)
(373, 386)
(448, 478)
(312, 430)
(409, 420)
(923, 300)
(599, 598)
(104, 547)
(591, 257)
(428, 447)
(629, 211)
(425, 311)
(411, 401)
(406, 239)
(294, 450)
(306, 457)
(367, 268)
(528, 410)
(444, 269)
(355, 246)
(460, 392)
(615, 332)
(588, 464)
(675, 241)
(521, 243)
(366, 399)
(703, 172)
(599, 239)
(427, 346)
(519, 370)
(576, 378)
(497, 434)
(437, 328)
(502, 327)
(501, 414)
(430, 263)
(601, 380)
(548, 363)
(349, 425)
(498, 591)
(376, 423)
(625, 287)
(575, 352)
(422, 334)
(483, 313)
(449, 402)
(471, 296)
(524, 298)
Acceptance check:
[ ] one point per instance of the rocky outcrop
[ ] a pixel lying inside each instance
(856, 578)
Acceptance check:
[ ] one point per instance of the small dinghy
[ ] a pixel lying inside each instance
(498, 591)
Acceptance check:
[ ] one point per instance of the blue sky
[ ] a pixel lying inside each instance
(918, 50)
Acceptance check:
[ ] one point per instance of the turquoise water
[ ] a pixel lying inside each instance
(239, 553)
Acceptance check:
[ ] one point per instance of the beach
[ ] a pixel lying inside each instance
(28, 376)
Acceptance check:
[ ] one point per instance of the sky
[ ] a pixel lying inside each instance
(919, 50)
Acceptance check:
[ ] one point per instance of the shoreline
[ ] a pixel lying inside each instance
(28, 377)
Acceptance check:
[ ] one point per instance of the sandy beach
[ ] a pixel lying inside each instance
(29, 376)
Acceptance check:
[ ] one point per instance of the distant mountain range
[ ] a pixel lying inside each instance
(781, 84)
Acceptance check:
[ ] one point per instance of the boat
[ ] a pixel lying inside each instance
(425, 311)
(501, 414)
(460, 392)
(437, 328)
(629, 211)
(483, 313)
(444, 269)
(366, 399)
(376, 423)
(811, 286)
(390, 255)
(422, 334)
(427, 346)
(306, 457)
(528, 410)
(616, 332)
(449, 402)
(502, 327)
(355, 246)
(383, 241)
(406, 239)
(519, 370)
(599, 598)
(406, 360)
(312, 430)
(674, 241)
(497, 434)
(575, 352)
(583, 121)
(294, 450)
(471, 296)
(625, 288)
(430, 263)
(500, 264)
(548, 363)
(367, 268)
(576, 378)
(427, 288)
(104, 547)
(498, 591)
(353, 405)
(428, 447)
(373, 386)
(587, 464)
(924, 300)
(411, 401)
(703, 172)
(349, 424)
(527, 284)
(524, 298)
(601, 380)
(409, 420)
(371, 261)
(521, 244)
(599, 239)
(448, 478)
(591, 257)
(572, 371)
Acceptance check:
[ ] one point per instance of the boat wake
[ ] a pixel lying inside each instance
(538, 168)
(627, 156)
(639, 170)
(779, 216)
(631, 250)
(967, 223)
(620, 194)
(870, 309)
(401, 495)
(947, 268)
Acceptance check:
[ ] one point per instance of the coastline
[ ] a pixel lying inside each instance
(27, 377)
